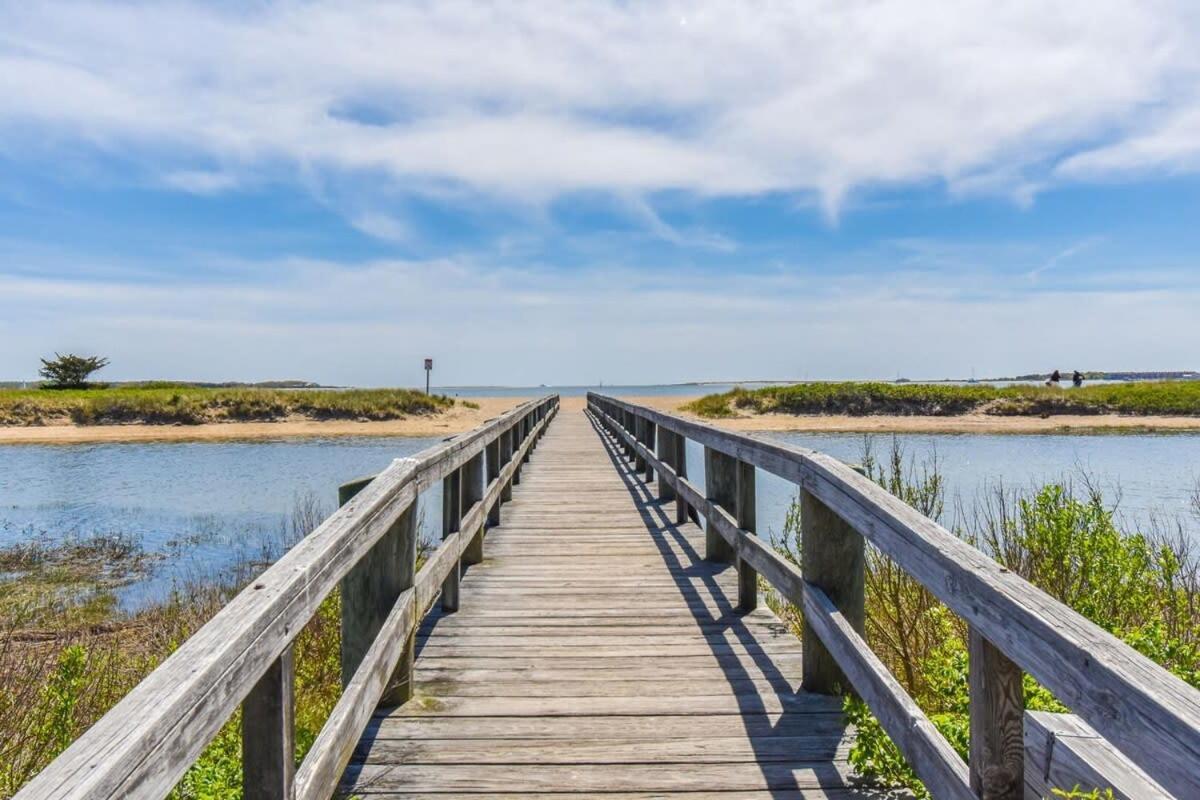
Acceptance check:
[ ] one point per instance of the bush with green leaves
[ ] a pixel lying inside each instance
(1143, 589)
(943, 400)
(70, 371)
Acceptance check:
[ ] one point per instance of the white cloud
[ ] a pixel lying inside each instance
(372, 323)
(200, 181)
(532, 100)
(382, 226)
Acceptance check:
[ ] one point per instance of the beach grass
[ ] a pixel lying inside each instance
(1161, 398)
(184, 404)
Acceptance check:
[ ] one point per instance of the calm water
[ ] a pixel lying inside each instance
(1151, 475)
(203, 506)
(657, 390)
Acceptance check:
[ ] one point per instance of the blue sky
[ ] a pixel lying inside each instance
(562, 193)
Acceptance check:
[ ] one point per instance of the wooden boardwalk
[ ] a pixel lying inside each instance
(595, 652)
(596, 648)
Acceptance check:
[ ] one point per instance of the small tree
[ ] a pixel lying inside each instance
(70, 371)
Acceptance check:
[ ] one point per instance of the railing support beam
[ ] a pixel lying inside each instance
(515, 437)
(833, 558)
(681, 506)
(451, 517)
(997, 707)
(648, 430)
(471, 491)
(493, 472)
(720, 486)
(664, 448)
(268, 734)
(747, 521)
(370, 590)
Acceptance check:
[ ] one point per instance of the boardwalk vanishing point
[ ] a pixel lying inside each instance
(578, 632)
(594, 650)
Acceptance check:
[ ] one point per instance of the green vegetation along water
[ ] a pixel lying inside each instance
(1142, 587)
(170, 403)
(1166, 398)
(112, 554)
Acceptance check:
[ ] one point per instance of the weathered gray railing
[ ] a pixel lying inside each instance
(142, 747)
(1151, 716)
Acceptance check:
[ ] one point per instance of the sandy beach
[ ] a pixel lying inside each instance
(448, 423)
(966, 423)
(461, 419)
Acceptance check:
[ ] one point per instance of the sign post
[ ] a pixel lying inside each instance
(428, 367)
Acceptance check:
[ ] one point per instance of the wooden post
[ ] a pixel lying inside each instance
(631, 427)
(746, 518)
(526, 427)
(471, 491)
(997, 707)
(720, 486)
(832, 558)
(515, 436)
(506, 454)
(493, 472)
(627, 423)
(639, 435)
(268, 733)
(681, 506)
(664, 448)
(370, 590)
(649, 430)
(451, 516)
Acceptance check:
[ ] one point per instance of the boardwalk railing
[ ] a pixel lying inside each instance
(243, 656)
(1151, 716)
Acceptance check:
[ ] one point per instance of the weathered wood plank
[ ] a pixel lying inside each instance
(832, 558)
(549, 655)
(1143, 709)
(145, 743)
(597, 778)
(269, 732)
(1062, 751)
(997, 699)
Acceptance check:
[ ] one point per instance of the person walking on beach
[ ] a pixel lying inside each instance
(1054, 379)
(1077, 379)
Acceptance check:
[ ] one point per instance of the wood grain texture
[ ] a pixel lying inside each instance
(997, 698)
(584, 669)
(832, 558)
(746, 514)
(1062, 751)
(147, 741)
(471, 493)
(720, 488)
(269, 732)
(1147, 713)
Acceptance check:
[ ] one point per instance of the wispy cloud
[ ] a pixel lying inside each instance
(1063, 255)
(200, 181)
(534, 100)
(371, 321)
(383, 226)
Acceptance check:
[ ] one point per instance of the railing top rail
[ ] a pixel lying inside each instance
(1144, 710)
(144, 744)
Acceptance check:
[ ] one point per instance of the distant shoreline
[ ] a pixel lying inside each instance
(902, 423)
(460, 419)
(455, 420)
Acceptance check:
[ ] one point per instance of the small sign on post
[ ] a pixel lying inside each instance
(428, 368)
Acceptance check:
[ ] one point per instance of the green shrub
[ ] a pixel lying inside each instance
(177, 404)
(1143, 590)
(907, 399)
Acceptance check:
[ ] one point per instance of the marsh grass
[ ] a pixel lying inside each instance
(65, 658)
(1176, 398)
(182, 404)
(1141, 586)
